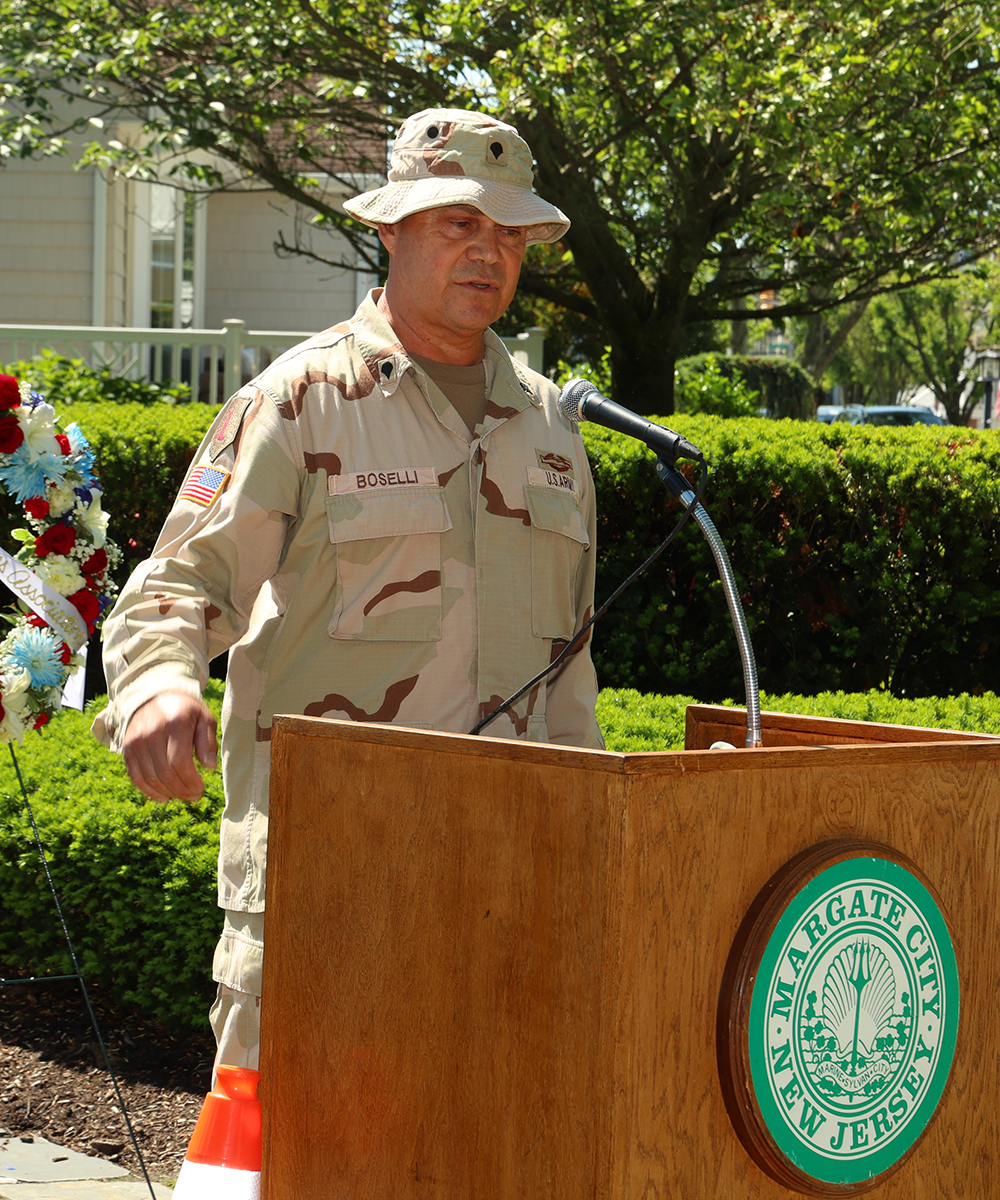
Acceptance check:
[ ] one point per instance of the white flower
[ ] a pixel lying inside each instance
(38, 424)
(14, 685)
(94, 520)
(61, 498)
(12, 725)
(77, 442)
(61, 573)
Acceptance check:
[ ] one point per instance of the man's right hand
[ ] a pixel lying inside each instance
(160, 744)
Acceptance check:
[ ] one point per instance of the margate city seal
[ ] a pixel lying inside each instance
(852, 1020)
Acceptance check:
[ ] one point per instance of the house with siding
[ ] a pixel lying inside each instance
(78, 249)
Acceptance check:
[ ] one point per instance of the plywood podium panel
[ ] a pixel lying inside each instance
(494, 969)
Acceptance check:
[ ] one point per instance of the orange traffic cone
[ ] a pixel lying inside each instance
(223, 1156)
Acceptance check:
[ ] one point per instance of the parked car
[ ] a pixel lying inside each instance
(832, 412)
(890, 414)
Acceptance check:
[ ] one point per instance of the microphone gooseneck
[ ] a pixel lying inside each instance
(581, 401)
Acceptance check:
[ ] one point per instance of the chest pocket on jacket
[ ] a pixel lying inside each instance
(558, 540)
(388, 547)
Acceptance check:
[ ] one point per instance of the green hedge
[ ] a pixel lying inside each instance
(865, 557)
(137, 879)
(633, 721)
(66, 381)
(785, 389)
(713, 390)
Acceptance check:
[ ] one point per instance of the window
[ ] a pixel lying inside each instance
(172, 256)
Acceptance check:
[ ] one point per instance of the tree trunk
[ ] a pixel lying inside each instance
(821, 345)
(813, 358)
(641, 312)
(739, 334)
(642, 364)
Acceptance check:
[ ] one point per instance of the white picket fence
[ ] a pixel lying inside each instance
(214, 362)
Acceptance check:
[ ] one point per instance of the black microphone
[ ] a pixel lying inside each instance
(581, 401)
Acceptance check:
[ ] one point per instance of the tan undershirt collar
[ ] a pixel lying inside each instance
(464, 387)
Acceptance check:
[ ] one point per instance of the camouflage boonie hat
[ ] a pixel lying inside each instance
(447, 156)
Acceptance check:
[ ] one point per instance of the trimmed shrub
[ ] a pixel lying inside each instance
(70, 381)
(711, 390)
(785, 390)
(972, 714)
(865, 557)
(136, 879)
(142, 455)
(632, 721)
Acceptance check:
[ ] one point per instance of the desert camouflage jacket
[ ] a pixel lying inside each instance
(364, 557)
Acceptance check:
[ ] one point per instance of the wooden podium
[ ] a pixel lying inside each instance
(494, 968)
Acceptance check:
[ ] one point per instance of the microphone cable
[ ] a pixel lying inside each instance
(574, 641)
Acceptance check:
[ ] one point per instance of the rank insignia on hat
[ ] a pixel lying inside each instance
(203, 485)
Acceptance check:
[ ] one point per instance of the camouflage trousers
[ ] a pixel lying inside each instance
(238, 969)
(235, 1019)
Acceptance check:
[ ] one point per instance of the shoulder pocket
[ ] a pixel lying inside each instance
(558, 540)
(388, 551)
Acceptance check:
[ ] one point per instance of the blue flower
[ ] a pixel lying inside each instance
(36, 652)
(26, 474)
(83, 454)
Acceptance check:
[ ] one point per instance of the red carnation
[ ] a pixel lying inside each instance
(40, 720)
(37, 507)
(64, 445)
(65, 654)
(57, 539)
(97, 562)
(86, 605)
(3, 712)
(11, 434)
(10, 393)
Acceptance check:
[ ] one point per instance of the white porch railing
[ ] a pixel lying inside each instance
(213, 362)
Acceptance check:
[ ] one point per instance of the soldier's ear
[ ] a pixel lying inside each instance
(387, 236)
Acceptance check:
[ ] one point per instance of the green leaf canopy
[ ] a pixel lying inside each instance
(705, 152)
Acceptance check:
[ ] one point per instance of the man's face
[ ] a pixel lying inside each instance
(453, 269)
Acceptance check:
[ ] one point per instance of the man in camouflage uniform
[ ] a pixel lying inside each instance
(392, 523)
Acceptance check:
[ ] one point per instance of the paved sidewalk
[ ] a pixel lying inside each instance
(36, 1169)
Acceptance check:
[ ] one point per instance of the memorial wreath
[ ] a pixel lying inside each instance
(61, 573)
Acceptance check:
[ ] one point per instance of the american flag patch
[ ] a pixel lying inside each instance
(203, 485)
